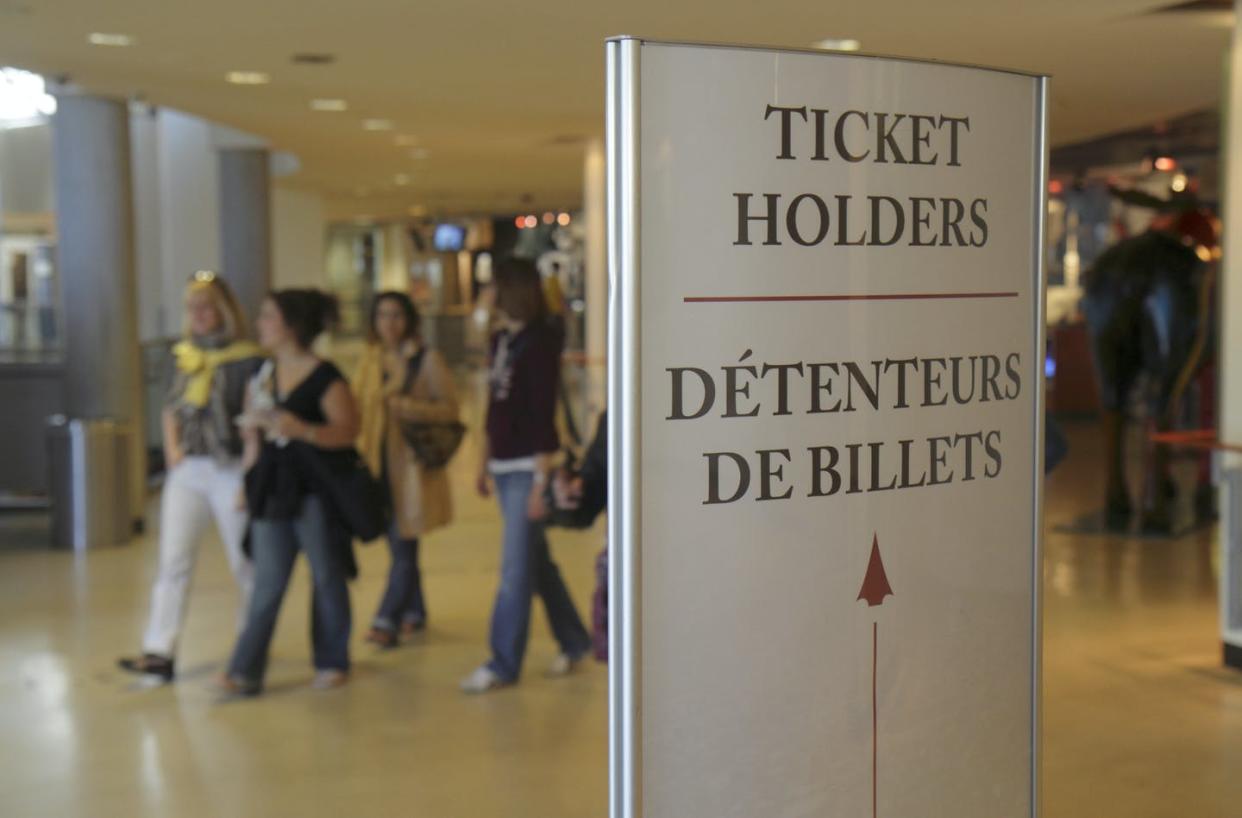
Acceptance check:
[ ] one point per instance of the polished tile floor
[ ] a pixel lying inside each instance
(1141, 721)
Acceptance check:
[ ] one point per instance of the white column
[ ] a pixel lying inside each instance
(594, 216)
(1230, 318)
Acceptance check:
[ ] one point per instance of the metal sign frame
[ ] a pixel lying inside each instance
(625, 405)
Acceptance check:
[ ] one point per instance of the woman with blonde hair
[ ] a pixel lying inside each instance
(401, 380)
(202, 453)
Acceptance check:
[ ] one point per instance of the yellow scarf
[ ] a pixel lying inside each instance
(200, 365)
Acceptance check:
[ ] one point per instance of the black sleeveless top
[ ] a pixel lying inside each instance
(278, 483)
(306, 400)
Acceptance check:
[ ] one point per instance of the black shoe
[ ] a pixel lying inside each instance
(149, 664)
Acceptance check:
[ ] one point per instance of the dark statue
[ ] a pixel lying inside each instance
(1148, 308)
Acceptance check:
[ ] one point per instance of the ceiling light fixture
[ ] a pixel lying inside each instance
(420, 153)
(377, 124)
(313, 58)
(563, 220)
(1165, 163)
(404, 140)
(114, 40)
(838, 44)
(329, 105)
(402, 178)
(23, 97)
(248, 78)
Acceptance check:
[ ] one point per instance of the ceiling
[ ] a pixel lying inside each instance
(501, 96)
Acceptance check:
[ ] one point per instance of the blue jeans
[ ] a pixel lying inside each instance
(403, 598)
(526, 569)
(274, 546)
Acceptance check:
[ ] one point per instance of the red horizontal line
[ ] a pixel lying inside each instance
(756, 299)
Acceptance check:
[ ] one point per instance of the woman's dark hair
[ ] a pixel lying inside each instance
(519, 290)
(307, 313)
(413, 321)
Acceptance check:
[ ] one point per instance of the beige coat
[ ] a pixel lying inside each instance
(422, 501)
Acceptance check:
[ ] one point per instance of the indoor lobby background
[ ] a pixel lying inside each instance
(388, 144)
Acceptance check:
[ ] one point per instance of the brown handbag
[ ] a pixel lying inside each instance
(433, 442)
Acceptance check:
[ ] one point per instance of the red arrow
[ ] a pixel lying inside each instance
(875, 584)
(874, 588)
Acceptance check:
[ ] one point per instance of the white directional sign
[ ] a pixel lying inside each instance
(826, 415)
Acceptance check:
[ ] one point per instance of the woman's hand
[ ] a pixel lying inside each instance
(566, 490)
(482, 484)
(282, 424)
(536, 508)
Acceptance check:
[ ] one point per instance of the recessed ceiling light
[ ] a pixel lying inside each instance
(377, 124)
(248, 77)
(420, 153)
(115, 40)
(313, 58)
(402, 178)
(404, 140)
(329, 105)
(838, 44)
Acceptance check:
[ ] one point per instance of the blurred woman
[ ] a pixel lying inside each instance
(203, 456)
(517, 453)
(297, 400)
(401, 380)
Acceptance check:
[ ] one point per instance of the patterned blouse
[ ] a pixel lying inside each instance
(210, 431)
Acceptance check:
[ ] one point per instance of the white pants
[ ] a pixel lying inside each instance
(197, 489)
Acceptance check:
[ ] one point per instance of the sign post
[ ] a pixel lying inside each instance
(826, 368)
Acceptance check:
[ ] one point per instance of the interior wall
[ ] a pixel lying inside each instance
(299, 239)
(595, 256)
(396, 252)
(189, 227)
(26, 157)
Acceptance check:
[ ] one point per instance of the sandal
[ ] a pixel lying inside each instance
(410, 627)
(233, 686)
(381, 638)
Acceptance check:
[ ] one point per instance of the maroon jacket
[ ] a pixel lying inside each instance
(523, 380)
